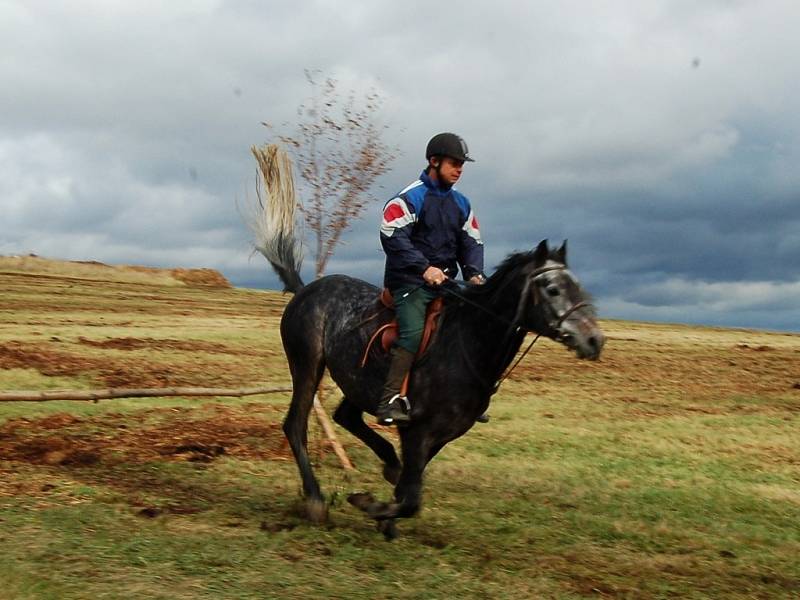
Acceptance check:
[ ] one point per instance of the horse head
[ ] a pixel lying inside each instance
(554, 304)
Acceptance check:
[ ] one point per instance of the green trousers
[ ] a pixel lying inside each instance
(410, 311)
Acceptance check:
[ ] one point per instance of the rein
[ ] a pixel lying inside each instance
(464, 299)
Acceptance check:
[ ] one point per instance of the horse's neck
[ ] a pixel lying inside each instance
(493, 337)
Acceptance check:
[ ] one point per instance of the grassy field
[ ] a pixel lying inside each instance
(670, 468)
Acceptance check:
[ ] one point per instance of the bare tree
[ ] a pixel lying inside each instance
(339, 151)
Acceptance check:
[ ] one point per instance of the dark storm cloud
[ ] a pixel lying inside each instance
(660, 138)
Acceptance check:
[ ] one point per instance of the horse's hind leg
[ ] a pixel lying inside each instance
(305, 381)
(349, 416)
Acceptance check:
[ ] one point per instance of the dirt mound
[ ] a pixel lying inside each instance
(201, 277)
(191, 277)
(93, 270)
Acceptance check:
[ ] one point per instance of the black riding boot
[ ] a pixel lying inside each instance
(394, 408)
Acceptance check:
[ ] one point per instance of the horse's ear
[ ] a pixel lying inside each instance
(561, 254)
(541, 254)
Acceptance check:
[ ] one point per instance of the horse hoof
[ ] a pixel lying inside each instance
(391, 474)
(381, 511)
(361, 500)
(316, 511)
(388, 529)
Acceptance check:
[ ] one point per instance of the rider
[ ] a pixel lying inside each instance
(428, 231)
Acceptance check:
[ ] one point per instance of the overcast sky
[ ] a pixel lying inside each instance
(660, 137)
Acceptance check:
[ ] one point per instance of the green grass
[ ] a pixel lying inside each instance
(668, 469)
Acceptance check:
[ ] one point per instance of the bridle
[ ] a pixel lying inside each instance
(554, 321)
(558, 319)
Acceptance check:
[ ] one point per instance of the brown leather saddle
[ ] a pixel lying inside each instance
(387, 333)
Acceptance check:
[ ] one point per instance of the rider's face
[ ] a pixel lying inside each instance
(450, 169)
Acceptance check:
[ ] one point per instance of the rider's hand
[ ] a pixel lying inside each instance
(477, 280)
(434, 276)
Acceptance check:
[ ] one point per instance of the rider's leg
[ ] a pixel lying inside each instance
(410, 306)
(392, 407)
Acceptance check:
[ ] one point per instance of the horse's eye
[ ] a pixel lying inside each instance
(553, 291)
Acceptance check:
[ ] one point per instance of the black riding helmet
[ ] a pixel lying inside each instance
(448, 144)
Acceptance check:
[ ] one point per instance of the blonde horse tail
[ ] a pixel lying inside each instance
(272, 215)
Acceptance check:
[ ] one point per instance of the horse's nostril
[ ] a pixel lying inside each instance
(595, 343)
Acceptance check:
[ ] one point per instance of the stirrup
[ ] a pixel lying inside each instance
(396, 410)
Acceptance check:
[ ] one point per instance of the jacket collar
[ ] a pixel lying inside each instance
(434, 186)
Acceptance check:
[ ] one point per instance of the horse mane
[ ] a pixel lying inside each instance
(504, 285)
(495, 288)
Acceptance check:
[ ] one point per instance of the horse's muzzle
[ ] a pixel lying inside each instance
(586, 341)
(593, 346)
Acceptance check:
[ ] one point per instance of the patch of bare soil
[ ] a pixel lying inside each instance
(131, 343)
(152, 375)
(18, 355)
(174, 434)
(114, 371)
(666, 379)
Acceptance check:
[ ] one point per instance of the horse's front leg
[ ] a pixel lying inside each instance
(408, 491)
(349, 416)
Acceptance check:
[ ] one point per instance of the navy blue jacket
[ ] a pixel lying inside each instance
(427, 225)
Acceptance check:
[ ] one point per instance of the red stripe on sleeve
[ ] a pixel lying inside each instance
(392, 212)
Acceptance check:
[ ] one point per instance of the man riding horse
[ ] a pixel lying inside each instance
(428, 232)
